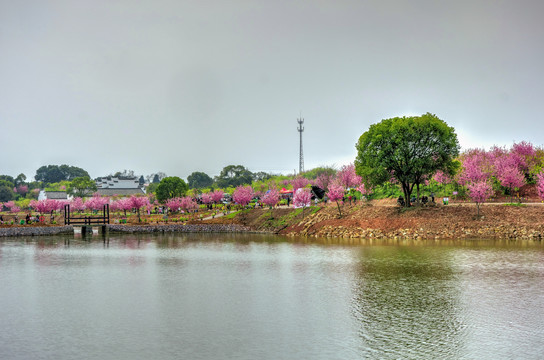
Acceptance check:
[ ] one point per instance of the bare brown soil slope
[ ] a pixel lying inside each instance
(381, 220)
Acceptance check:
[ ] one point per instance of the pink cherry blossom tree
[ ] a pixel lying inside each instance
(299, 182)
(508, 171)
(9, 204)
(479, 192)
(97, 202)
(364, 189)
(271, 197)
(242, 195)
(476, 167)
(138, 202)
(336, 193)
(302, 199)
(77, 204)
(217, 196)
(22, 189)
(442, 178)
(323, 180)
(540, 185)
(206, 198)
(174, 204)
(123, 204)
(188, 203)
(347, 177)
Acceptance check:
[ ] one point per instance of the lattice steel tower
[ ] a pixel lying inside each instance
(301, 158)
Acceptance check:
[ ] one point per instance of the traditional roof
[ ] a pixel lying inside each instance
(120, 192)
(121, 182)
(57, 195)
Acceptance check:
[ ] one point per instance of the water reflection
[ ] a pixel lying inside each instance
(244, 296)
(406, 302)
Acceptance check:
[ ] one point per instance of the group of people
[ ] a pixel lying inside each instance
(424, 199)
(29, 219)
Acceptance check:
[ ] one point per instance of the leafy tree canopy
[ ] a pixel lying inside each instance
(9, 179)
(199, 180)
(171, 187)
(6, 193)
(20, 179)
(54, 173)
(318, 171)
(7, 183)
(82, 186)
(408, 149)
(125, 173)
(234, 175)
(261, 176)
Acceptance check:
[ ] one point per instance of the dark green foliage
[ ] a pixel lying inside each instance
(199, 180)
(20, 179)
(53, 173)
(8, 178)
(6, 193)
(82, 186)
(408, 149)
(234, 175)
(171, 187)
(318, 171)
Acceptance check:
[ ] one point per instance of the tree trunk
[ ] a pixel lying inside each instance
(417, 186)
(407, 192)
(339, 211)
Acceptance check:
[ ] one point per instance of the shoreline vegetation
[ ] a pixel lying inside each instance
(380, 219)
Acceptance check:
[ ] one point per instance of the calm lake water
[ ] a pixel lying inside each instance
(263, 297)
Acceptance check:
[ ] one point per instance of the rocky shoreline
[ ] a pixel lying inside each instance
(69, 229)
(35, 230)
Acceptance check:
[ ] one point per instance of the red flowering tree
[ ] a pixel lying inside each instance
(271, 197)
(479, 192)
(336, 193)
(242, 195)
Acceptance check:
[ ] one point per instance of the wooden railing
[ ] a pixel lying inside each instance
(87, 220)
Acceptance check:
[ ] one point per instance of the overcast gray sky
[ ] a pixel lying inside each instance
(181, 86)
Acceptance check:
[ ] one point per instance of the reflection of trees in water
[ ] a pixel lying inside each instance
(406, 302)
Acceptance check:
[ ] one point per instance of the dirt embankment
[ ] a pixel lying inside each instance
(380, 220)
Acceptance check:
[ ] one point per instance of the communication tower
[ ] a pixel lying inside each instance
(301, 157)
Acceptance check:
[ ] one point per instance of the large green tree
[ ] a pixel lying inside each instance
(171, 187)
(408, 149)
(234, 175)
(54, 173)
(199, 180)
(82, 186)
(6, 194)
